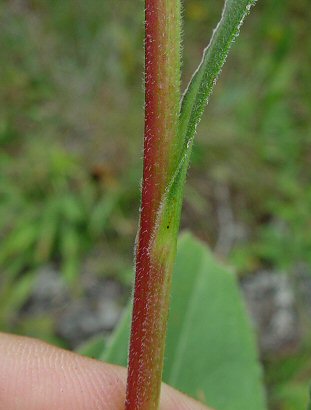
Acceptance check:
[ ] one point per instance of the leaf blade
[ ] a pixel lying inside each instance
(202, 83)
(215, 359)
(210, 349)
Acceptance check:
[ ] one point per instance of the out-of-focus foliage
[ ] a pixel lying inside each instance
(50, 209)
(289, 379)
(71, 102)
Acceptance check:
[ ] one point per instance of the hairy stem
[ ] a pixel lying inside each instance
(161, 153)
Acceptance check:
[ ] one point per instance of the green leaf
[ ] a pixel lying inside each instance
(49, 225)
(193, 104)
(214, 57)
(291, 396)
(70, 251)
(14, 295)
(117, 347)
(210, 348)
(19, 241)
(101, 212)
(92, 347)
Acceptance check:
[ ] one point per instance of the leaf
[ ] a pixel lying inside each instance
(193, 103)
(92, 347)
(101, 212)
(291, 396)
(117, 346)
(70, 252)
(14, 295)
(49, 224)
(215, 341)
(210, 348)
(202, 83)
(72, 209)
(19, 241)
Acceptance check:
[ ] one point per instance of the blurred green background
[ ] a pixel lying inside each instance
(71, 126)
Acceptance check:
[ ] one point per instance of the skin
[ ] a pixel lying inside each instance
(37, 376)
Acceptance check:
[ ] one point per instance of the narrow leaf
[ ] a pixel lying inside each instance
(192, 107)
(202, 83)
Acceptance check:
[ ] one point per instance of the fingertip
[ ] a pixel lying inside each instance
(37, 376)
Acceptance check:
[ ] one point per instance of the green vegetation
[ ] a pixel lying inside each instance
(219, 353)
(170, 127)
(68, 69)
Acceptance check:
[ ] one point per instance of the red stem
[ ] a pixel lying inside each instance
(151, 294)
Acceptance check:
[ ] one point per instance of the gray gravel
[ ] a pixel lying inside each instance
(279, 306)
(77, 318)
(271, 301)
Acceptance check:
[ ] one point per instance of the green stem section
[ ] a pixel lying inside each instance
(161, 155)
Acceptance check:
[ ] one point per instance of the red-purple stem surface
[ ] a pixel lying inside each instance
(152, 284)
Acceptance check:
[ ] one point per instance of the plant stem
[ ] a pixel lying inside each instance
(161, 155)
